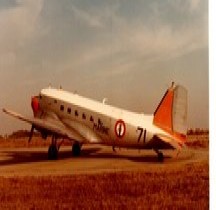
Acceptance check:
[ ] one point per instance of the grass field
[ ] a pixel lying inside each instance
(184, 187)
(187, 188)
(198, 141)
(23, 142)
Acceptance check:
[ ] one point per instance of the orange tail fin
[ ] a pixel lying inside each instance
(171, 113)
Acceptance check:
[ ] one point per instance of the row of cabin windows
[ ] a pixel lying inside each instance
(76, 113)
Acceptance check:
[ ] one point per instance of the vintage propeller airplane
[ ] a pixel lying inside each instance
(66, 115)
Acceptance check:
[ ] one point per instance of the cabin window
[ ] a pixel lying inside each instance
(76, 113)
(99, 121)
(55, 101)
(91, 119)
(69, 110)
(83, 116)
(62, 107)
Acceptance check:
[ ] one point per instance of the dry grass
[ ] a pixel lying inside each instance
(198, 141)
(23, 142)
(185, 188)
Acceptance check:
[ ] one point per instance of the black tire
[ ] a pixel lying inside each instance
(76, 149)
(160, 157)
(52, 152)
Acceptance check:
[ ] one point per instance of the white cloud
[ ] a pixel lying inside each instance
(96, 16)
(165, 42)
(133, 43)
(18, 26)
(87, 18)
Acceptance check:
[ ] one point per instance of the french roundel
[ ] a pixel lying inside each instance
(120, 128)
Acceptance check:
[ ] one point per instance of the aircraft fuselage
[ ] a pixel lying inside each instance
(102, 123)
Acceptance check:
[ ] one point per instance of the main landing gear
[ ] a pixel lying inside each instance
(54, 148)
(160, 155)
(76, 149)
(53, 152)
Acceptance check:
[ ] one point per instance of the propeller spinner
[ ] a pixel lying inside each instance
(35, 108)
(35, 104)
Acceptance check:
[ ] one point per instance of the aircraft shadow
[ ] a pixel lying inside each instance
(21, 157)
(139, 158)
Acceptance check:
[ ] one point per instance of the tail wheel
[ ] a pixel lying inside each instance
(160, 155)
(52, 152)
(76, 149)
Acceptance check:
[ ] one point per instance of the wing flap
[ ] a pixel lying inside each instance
(83, 130)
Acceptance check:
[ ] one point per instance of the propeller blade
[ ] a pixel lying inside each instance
(31, 134)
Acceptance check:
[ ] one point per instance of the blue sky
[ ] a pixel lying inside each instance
(127, 51)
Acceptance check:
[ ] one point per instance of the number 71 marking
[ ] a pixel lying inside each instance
(142, 133)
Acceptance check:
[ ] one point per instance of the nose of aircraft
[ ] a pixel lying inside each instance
(35, 104)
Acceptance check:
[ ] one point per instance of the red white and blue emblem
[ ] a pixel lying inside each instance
(120, 128)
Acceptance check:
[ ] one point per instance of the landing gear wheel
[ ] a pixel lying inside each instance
(160, 157)
(52, 152)
(76, 149)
